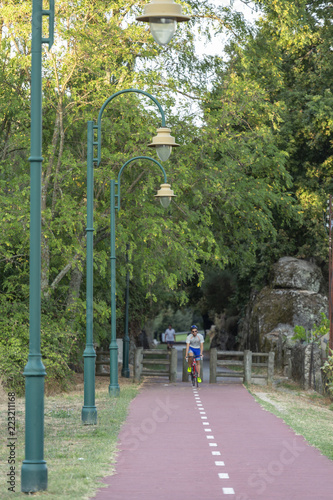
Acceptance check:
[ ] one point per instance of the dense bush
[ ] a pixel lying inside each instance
(58, 347)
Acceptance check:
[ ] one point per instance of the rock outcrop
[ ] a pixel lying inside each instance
(294, 297)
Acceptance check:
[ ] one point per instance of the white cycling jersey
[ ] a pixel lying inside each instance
(195, 340)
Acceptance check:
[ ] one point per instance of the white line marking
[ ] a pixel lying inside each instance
(216, 453)
(212, 444)
(228, 491)
(208, 430)
(219, 464)
(210, 437)
(223, 475)
(205, 423)
(203, 417)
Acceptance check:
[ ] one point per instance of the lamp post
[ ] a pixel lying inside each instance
(165, 194)
(125, 369)
(163, 15)
(163, 142)
(34, 469)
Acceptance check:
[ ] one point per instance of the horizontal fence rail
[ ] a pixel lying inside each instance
(155, 363)
(241, 364)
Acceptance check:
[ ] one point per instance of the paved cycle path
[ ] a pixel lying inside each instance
(212, 443)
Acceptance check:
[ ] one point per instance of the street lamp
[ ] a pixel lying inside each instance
(165, 194)
(163, 142)
(163, 139)
(34, 469)
(163, 15)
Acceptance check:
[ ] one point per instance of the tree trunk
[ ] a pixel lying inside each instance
(74, 287)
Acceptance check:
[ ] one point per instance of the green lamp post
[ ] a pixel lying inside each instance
(165, 194)
(125, 372)
(34, 469)
(163, 142)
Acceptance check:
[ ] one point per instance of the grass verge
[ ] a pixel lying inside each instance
(77, 455)
(306, 412)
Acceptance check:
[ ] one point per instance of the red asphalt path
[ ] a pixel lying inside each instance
(212, 443)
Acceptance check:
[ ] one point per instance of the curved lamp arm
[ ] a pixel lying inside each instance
(109, 99)
(130, 161)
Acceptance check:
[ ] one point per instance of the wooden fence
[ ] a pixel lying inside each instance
(155, 363)
(243, 363)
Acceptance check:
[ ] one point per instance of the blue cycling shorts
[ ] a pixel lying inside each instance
(196, 351)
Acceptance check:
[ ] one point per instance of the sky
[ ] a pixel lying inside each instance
(214, 48)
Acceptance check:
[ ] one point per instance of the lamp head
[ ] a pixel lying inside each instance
(163, 142)
(165, 194)
(162, 15)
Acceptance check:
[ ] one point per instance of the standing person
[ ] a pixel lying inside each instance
(194, 347)
(169, 336)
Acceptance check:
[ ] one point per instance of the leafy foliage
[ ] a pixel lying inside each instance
(58, 347)
(316, 333)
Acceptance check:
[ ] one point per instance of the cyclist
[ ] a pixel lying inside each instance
(194, 347)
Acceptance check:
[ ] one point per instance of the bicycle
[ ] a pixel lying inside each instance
(194, 371)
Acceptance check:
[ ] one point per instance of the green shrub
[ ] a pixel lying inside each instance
(300, 334)
(58, 345)
(315, 334)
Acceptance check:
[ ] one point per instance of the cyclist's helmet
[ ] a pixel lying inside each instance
(194, 326)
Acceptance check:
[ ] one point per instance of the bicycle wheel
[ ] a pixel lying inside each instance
(194, 374)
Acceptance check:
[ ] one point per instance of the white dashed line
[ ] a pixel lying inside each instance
(223, 475)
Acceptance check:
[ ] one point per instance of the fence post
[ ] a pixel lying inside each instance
(185, 365)
(137, 364)
(173, 365)
(270, 368)
(247, 366)
(212, 365)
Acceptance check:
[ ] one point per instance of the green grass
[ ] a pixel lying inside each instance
(77, 456)
(307, 413)
(181, 338)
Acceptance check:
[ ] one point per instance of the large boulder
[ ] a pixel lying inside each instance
(297, 274)
(292, 298)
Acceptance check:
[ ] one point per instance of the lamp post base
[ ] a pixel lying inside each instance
(114, 390)
(125, 372)
(89, 415)
(33, 476)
